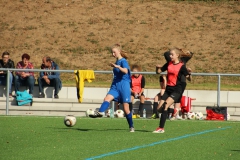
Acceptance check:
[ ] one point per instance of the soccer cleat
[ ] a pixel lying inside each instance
(172, 118)
(154, 116)
(159, 130)
(137, 116)
(131, 129)
(175, 112)
(178, 117)
(95, 115)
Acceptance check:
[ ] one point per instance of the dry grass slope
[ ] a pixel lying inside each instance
(78, 33)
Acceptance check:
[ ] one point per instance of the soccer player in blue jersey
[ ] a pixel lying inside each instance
(120, 88)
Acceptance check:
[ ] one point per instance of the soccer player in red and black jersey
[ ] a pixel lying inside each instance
(185, 57)
(175, 70)
(137, 88)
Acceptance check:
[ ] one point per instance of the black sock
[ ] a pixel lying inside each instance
(170, 110)
(162, 108)
(163, 119)
(155, 105)
(140, 109)
(130, 107)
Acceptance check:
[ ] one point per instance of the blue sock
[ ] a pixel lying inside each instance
(129, 119)
(104, 106)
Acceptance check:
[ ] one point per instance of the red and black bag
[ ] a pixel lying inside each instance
(216, 113)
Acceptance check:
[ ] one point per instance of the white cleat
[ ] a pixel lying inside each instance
(159, 130)
(131, 129)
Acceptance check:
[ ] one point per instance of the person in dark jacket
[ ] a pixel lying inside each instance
(6, 62)
(49, 78)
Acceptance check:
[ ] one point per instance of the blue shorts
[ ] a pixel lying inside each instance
(121, 91)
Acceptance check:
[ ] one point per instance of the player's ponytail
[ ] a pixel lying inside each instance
(185, 53)
(122, 52)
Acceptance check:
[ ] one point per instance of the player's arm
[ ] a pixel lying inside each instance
(164, 82)
(123, 67)
(163, 68)
(124, 70)
(185, 72)
(189, 77)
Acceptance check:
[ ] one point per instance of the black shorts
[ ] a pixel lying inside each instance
(173, 93)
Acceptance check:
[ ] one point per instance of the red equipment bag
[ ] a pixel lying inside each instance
(216, 113)
(186, 103)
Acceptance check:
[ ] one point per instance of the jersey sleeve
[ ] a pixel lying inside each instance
(124, 64)
(143, 82)
(184, 70)
(164, 67)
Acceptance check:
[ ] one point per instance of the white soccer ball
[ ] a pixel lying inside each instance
(119, 113)
(199, 115)
(89, 112)
(228, 116)
(70, 120)
(191, 115)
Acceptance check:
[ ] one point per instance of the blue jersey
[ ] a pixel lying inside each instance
(118, 75)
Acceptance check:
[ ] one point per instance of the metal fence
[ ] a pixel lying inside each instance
(110, 72)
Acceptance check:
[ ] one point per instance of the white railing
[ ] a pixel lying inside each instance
(110, 72)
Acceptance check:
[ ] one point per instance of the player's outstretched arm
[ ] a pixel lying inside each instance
(124, 70)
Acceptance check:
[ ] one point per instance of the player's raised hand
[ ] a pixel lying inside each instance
(189, 70)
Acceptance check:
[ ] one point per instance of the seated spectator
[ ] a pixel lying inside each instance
(24, 77)
(137, 88)
(6, 62)
(49, 78)
(157, 98)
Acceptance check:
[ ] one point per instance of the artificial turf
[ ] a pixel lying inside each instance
(32, 137)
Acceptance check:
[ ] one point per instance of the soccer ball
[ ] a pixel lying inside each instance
(228, 116)
(70, 120)
(119, 113)
(199, 115)
(89, 112)
(191, 115)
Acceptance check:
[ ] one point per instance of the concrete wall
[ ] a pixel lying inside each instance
(202, 96)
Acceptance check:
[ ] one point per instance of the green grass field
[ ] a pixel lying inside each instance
(33, 137)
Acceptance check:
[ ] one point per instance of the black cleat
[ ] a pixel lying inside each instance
(96, 115)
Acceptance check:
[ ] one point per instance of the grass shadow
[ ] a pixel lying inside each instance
(236, 150)
(87, 129)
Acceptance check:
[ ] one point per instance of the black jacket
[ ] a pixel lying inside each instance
(10, 64)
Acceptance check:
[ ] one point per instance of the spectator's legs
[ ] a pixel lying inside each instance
(40, 84)
(130, 104)
(140, 109)
(56, 82)
(17, 84)
(10, 82)
(2, 80)
(30, 82)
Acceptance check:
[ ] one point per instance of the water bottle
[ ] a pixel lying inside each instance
(144, 113)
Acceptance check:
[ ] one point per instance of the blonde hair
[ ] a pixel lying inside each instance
(122, 52)
(177, 51)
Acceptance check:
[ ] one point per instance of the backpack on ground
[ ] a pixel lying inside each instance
(23, 98)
